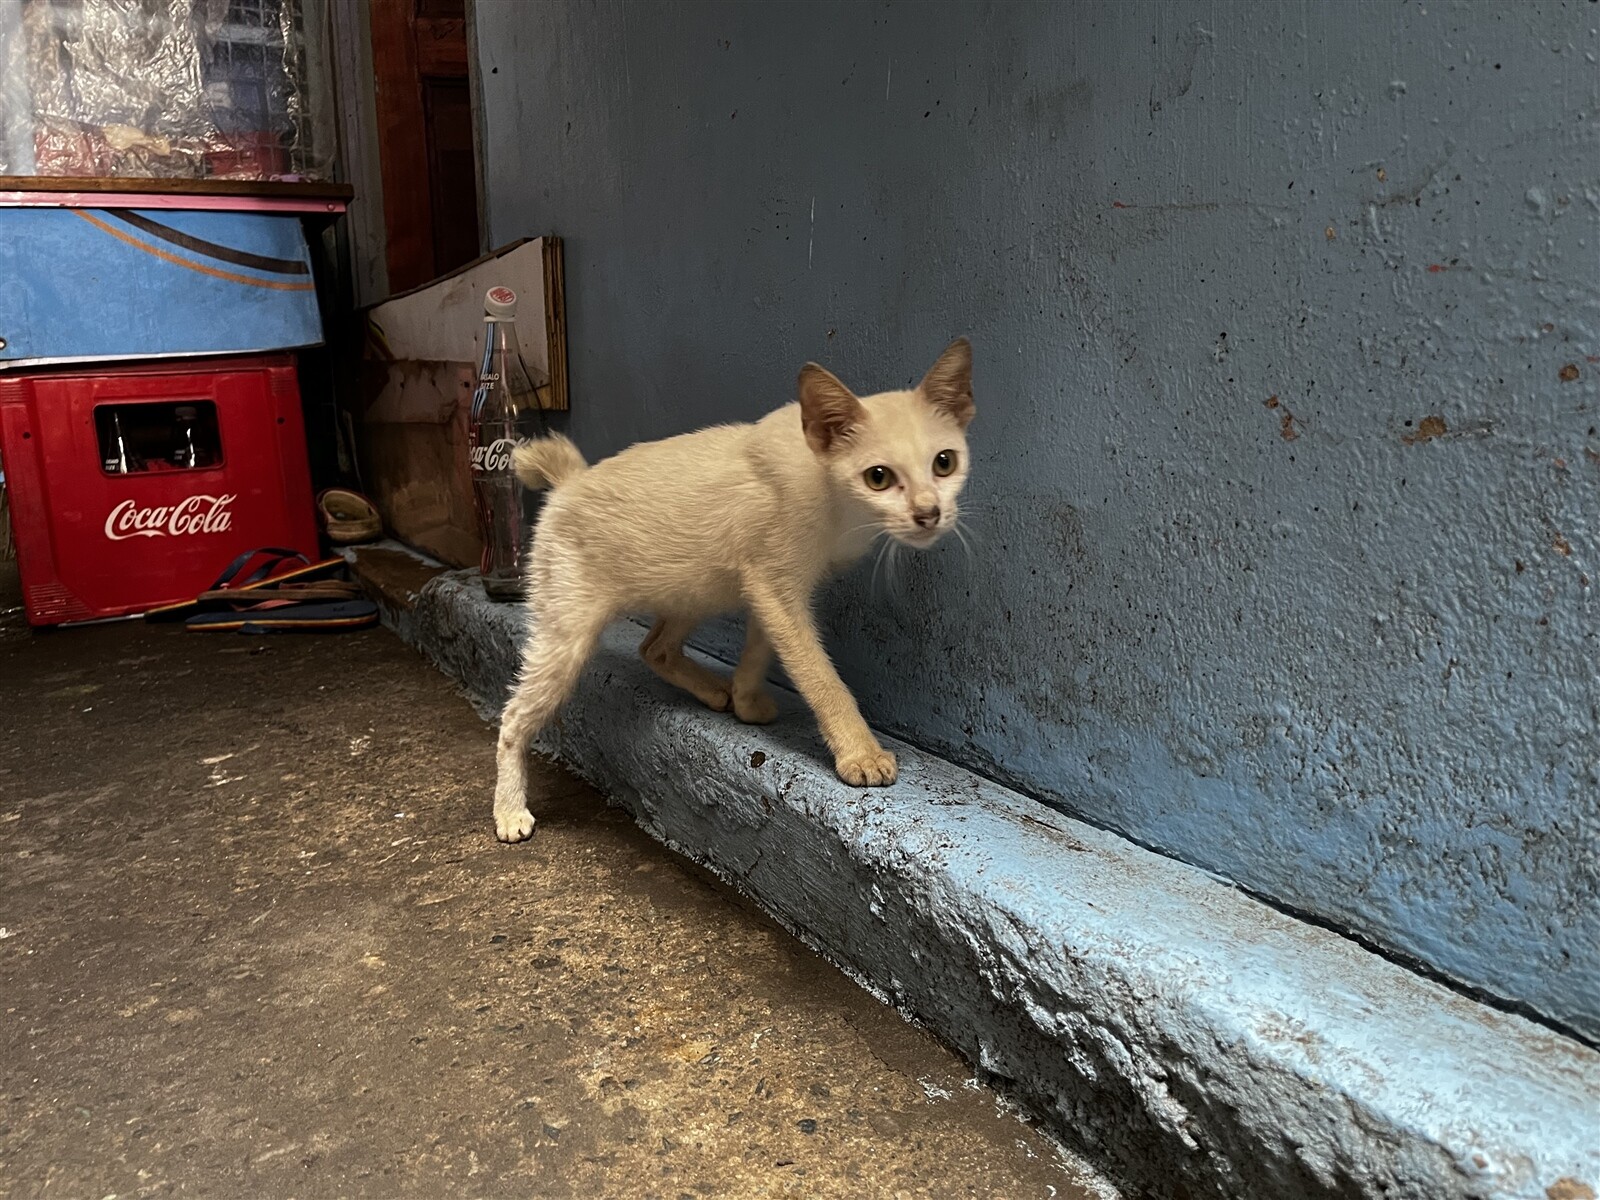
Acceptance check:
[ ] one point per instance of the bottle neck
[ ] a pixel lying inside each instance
(486, 361)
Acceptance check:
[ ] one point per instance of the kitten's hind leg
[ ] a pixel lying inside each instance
(551, 663)
(752, 703)
(662, 651)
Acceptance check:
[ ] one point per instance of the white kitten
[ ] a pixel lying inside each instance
(733, 517)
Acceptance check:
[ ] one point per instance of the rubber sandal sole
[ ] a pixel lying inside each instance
(310, 572)
(286, 616)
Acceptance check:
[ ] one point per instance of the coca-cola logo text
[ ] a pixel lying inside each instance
(197, 514)
(496, 456)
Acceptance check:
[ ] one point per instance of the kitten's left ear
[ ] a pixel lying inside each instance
(948, 384)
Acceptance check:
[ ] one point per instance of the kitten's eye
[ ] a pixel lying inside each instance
(944, 462)
(878, 478)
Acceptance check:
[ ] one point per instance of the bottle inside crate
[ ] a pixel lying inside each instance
(178, 435)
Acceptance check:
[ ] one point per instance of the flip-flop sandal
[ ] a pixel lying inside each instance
(332, 589)
(348, 517)
(269, 572)
(288, 616)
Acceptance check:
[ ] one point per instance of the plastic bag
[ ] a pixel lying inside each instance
(186, 89)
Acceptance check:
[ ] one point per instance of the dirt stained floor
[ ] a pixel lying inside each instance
(257, 940)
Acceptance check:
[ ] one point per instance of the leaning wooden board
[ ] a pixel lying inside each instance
(421, 355)
(442, 321)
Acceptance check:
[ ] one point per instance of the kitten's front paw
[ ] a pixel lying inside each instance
(757, 708)
(875, 768)
(513, 825)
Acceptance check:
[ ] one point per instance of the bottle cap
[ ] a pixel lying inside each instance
(501, 302)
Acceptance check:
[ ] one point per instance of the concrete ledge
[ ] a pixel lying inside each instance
(1184, 1037)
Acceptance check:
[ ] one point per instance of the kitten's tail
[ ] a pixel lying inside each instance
(547, 461)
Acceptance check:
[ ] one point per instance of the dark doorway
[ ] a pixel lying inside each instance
(426, 147)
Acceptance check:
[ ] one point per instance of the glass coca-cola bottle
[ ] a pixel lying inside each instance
(501, 386)
(117, 458)
(185, 453)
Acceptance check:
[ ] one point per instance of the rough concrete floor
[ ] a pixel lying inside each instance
(259, 940)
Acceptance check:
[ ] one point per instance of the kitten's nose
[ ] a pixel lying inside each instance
(926, 517)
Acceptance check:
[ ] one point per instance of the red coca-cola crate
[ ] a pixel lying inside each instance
(132, 487)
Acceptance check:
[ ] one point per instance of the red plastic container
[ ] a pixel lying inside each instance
(135, 486)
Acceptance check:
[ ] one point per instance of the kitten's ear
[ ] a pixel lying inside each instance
(948, 384)
(829, 411)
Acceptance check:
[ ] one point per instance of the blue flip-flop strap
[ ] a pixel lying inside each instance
(278, 555)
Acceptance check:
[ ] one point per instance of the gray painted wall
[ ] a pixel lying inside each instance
(1287, 473)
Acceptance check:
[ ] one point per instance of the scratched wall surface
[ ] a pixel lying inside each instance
(1287, 467)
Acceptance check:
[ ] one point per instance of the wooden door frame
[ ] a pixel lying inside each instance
(355, 109)
(475, 94)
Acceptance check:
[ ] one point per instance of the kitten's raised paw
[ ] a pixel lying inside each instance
(514, 826)
(876, 768)
(757, 708)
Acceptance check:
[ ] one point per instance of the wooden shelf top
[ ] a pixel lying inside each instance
(266, 189)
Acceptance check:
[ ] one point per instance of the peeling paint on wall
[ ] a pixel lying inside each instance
(1427, 429)
(1342, 659)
